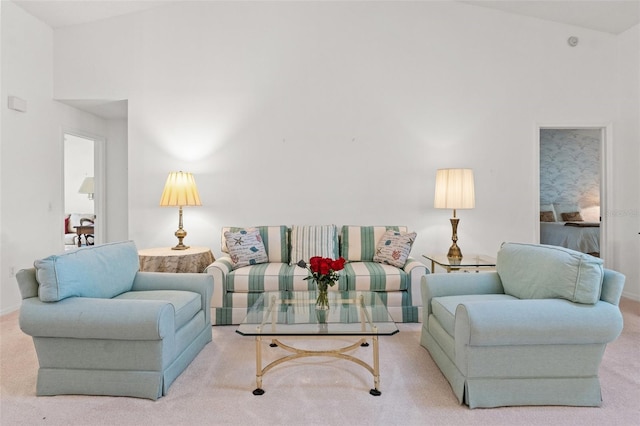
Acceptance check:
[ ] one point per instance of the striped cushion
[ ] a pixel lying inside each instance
(359, 242)
(373, 276)
(274, 238)
(258, 278)
(310, 241)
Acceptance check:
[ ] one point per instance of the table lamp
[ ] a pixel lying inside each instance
(87, 187)
(454, 190)
(180, 190)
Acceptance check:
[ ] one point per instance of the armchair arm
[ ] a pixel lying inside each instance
(437, 285)
(197, 283)
(416, 270)
(89, 318)
(219, 270)
(535, 322)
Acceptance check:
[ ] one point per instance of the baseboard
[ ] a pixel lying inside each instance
(9, 310)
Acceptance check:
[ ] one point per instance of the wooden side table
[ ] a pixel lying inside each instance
(470, 261)
(87, 231)
(163, 259)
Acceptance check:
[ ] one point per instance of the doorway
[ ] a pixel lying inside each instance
(83, 221)
(572, 179)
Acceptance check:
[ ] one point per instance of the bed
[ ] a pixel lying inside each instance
(579, 231)
(580, 236)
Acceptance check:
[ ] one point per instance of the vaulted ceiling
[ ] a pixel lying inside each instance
(611, 16)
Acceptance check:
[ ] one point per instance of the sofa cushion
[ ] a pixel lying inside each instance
(274, 238)
(246, 247)
(444, 308)
(535, 271)
(394, 248)
(310, 241)
(259, 278)
(186, 304)
(102, 271)
(358, 243)
(373, 276)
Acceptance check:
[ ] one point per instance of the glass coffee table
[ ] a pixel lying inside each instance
(472, 261)
(281, 314)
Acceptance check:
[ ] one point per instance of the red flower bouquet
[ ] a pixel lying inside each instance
(324, 271)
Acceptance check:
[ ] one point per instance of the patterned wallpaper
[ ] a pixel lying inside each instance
(570, 166)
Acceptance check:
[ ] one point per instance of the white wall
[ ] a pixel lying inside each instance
(323, 112)
(117, 174)
(31, 145)
(624, 214)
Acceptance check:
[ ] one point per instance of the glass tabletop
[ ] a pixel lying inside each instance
(467, 261)
(294, 313)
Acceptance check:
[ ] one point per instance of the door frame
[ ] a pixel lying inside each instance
(606, 143)
(99, 171)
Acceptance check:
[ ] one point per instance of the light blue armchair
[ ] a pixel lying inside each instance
(101, 327)
(531, 333)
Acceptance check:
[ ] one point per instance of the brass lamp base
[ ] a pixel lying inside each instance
(180, 234)
(455, 254)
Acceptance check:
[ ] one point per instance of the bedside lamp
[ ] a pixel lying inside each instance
(180, 190)
(454, 190)
(87, 187)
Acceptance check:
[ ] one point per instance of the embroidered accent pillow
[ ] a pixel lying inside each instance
(394, 248)
(547, 217)
(246, 247)
(571, 217)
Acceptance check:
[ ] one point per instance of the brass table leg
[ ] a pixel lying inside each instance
(376, 368)
(258, 390)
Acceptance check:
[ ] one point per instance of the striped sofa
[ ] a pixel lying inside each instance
(236, 290)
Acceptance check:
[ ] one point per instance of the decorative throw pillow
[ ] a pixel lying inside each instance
(547, 217)
(246, 247)
(394, 248)
(310, 241)
(571, 217)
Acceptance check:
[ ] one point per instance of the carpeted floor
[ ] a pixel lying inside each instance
(216, 389)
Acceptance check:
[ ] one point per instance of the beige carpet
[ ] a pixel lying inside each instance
(216, 389)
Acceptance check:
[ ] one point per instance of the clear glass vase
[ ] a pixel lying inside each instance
(322, 302)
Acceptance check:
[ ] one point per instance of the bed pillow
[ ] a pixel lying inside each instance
(246, 248)
(571, 217)
(394, 248)
(533, 271)
(549, 208)
(547, 217)
(560, 208)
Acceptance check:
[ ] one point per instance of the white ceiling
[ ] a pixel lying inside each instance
(612, 16)
(110, 110)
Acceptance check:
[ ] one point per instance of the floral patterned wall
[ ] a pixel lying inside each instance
(570, 167)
